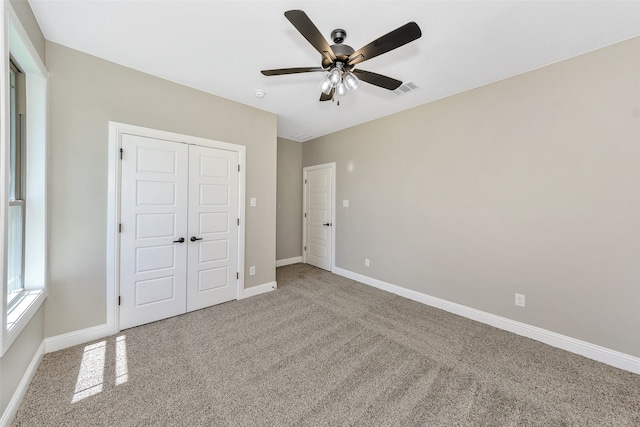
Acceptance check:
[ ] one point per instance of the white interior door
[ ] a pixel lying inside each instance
(213, 227)
(153, 220)
(318, 220)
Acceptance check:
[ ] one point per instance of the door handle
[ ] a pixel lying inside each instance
(194, 238)
(180, 240)
(328, 224)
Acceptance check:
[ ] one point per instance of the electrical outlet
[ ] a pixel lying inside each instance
(520, 300)
(366, 262)
(252, 270)
(252, 201)
(345, 203)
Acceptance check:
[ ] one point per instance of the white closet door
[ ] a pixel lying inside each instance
(213, 227)
(153, 218)
(318, 222)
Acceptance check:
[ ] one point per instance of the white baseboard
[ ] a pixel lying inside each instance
(83, 336)
(77, 337)
(573, 345)
(260, 289)
(288, 261)
(12, 408)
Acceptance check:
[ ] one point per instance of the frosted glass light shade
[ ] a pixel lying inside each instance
(351, 81)
(341, 89)
(335, 77)
(326, 86)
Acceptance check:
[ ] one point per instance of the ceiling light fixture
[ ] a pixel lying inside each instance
(339, 80)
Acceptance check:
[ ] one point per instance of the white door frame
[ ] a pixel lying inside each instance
(305, 170)
(116, 130)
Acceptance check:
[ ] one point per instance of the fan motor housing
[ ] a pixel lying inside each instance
(342, 52)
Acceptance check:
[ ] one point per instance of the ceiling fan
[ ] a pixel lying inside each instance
(339, 60)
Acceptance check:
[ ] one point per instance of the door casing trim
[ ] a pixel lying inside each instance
(114, 181)
(305, 170)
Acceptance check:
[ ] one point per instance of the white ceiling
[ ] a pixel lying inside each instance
(220, 46)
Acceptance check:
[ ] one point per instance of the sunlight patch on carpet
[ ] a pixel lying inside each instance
(122, 372)
(91, 375)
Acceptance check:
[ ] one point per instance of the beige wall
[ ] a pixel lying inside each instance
(85, 93)
(16, 360)
(14, 363)
(528, 185)
(289, 200)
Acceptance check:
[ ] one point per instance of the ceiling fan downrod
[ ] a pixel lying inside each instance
(338, 35)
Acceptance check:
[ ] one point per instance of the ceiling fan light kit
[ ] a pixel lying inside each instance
(339, 60)
(339, 80)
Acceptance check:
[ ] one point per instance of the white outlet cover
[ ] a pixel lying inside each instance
(253, 201)
(252, 270)
(366, 262)
(345, 203)
(520, 301)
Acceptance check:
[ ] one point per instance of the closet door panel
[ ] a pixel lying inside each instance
(153, 217)
(213, 227)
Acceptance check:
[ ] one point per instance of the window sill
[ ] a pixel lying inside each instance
(20, 313)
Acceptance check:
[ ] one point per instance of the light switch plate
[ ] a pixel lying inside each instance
(253, 201)
(345, 203)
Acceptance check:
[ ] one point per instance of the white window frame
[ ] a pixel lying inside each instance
(16, 184)
(16, 43)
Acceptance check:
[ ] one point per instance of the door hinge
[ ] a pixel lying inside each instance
(238, 221)
(305, 248)
(119, 299)
(305, 214)
(120, 228)
(121, 151)
(237, 275)
(238, 168)
(305, 181)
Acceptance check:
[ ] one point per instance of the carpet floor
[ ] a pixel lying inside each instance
(324, 350)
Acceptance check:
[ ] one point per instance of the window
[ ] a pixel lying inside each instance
(15, 232)
(23, 206)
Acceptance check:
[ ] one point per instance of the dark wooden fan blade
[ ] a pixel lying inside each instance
(325, 97)
(377, 79)
(393, 40)
(303, 24)
(281, 71)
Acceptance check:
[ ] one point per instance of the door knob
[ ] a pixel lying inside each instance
(180, 240)
(328, 224)
(194, 238)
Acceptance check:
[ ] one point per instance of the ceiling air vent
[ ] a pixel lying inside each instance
(406, 88)
(301, 137)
